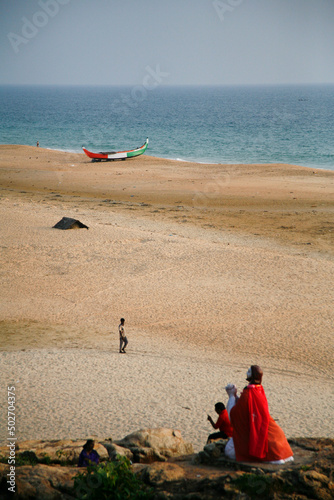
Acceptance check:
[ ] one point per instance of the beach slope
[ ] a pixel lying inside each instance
(214, 267)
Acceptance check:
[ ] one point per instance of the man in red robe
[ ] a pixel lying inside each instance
(256, 436)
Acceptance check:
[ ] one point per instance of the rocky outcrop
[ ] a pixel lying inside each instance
(39, 482)
(144, 446)
(209, 475)
(204, 476)
(45, 479)
(114, 450)
(152, 445)
(160, 473)
(58, 451)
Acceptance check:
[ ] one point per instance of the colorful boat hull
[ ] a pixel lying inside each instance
(116, 155)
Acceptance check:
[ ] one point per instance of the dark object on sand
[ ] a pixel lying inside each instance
(68, 223)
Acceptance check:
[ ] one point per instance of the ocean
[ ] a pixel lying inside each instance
(225, 124)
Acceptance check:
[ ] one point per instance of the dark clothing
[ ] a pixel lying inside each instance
(217, 435)
(86, 459)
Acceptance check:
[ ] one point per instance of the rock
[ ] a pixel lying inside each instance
(158, 473)
(58, 451)
(212, 450)
(315, 478)
(43, 482)
(4, 469)
(317, 485)
(156, 445)
(309, 477)
(202, 458)
(114, 450)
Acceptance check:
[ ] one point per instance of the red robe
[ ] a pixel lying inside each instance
(256, 436)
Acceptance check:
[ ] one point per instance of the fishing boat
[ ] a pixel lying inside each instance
(116, 155)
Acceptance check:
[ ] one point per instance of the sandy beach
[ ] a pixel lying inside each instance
(214, 268)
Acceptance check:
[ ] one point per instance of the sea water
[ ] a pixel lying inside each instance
(240, 124)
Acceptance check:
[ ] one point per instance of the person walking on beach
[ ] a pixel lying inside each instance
(123, 341)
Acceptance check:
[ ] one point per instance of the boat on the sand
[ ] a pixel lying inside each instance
(116, 155)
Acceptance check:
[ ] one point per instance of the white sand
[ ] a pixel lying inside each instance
(78, 392)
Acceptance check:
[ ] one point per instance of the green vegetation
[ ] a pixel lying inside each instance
(256, 486)
(112, 481)
(28, 458)
(61, 455)
(305, 468)
(63, 458)
(45, 459)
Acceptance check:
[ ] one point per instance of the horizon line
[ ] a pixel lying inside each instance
(263, 84)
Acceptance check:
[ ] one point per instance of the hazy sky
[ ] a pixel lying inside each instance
(169, 42)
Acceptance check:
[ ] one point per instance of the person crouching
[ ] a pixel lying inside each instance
(223, 424)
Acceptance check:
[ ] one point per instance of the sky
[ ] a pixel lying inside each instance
(166, 42)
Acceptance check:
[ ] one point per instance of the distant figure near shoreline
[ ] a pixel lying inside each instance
(37, 145)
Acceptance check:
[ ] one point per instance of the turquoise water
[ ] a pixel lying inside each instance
(256, 124)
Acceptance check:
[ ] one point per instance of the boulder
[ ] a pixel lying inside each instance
(159, 473)
(309, 477)
(42, 482)
(56, 451)
(151, 445)
(317, 485)
(213, 450)
(114, 450)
